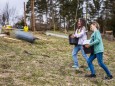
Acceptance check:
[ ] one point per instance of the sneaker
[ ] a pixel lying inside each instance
(88, 69)
(91, 76)
(77, 68)
(108, 77)
(74, 66)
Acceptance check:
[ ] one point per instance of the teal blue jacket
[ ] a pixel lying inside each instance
(96, 41)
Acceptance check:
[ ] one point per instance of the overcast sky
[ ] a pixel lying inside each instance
(18, 4)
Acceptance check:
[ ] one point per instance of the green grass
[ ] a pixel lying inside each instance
(48, 63)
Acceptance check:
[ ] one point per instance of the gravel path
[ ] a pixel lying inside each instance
(56, 35)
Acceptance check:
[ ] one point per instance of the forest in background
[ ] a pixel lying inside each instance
(62, 14)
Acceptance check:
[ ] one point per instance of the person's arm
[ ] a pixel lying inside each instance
(91, 38)
(97, 40)
(78, 35)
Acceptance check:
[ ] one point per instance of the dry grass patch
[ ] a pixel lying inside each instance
(48, 63)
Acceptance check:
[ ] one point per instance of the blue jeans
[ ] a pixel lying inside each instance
(75, 52)
(99, 57)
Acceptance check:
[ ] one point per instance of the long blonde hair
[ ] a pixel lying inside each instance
(96, 24)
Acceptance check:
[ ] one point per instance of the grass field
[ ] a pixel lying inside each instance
(48, 62)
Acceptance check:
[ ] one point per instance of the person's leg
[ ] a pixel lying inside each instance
(74, 55)
(90, 60)
(91, 66)
(83, 53)
(101, 64)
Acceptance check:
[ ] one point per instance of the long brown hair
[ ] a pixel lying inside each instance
(82, 21)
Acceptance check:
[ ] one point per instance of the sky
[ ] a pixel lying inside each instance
(18, 4)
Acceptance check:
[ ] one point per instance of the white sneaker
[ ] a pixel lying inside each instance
(76, 67)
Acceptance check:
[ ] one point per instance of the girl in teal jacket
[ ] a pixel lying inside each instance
(97, 43)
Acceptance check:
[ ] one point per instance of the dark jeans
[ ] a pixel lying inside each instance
(99, 57)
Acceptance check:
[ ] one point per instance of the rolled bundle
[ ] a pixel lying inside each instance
(24, 36)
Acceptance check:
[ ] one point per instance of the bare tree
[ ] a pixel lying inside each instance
(8, 13)
(0, 19)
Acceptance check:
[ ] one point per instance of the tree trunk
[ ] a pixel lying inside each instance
(24, 14)
(65, 25)
(60, 22)
(32, 16)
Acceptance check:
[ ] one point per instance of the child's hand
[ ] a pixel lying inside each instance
(72, 36)
(87, 45)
